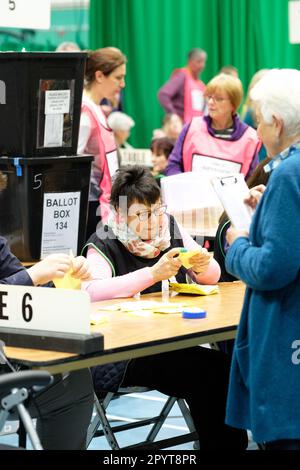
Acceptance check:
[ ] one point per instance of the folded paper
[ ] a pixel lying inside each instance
(198, 289)
(185, 256)
(67, 282)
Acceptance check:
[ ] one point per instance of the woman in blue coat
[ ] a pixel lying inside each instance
(265, 376)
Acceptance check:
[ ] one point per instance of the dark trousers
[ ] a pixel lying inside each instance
(284, 444)
(65, 411)
(200, 376)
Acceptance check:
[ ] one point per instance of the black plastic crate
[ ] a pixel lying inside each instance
(40, 101)
(43, 204)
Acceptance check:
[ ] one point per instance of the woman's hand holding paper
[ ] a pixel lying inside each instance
(255, 195)
(233, 233)
(200, 261)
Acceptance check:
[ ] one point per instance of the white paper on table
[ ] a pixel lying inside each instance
(140, 306)
(232, 190)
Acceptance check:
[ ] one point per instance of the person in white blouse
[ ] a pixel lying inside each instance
(104, 78)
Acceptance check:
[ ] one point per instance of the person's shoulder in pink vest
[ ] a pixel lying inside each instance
(171, 94)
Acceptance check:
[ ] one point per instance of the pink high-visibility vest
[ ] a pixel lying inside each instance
(203, 152)
(194, 100)
(107, 157)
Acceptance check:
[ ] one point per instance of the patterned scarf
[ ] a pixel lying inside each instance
(133, 243)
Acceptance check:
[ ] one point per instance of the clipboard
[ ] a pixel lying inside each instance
(232, 190)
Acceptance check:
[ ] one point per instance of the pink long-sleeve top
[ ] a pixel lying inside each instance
(103, 286)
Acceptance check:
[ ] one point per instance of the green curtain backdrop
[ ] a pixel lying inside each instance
(157, 34)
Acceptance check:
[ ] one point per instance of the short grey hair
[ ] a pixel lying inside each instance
(278, 95)
(193, 53)
(67, 47)
(118, 121)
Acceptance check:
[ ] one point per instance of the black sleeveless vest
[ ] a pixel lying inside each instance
(123, 262)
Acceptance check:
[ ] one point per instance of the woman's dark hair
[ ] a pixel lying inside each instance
(106, 60)
(136, 183)
(162, 146)
(259, 176)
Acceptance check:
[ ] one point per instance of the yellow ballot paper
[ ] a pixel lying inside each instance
(145, 307)
(138, 305)
(153, 307)
(198, 289)
(169, 308)
(129, 306)
(68, 281)
(98, 319)
(184, 256)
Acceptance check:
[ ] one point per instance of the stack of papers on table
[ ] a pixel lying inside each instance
(146, 307)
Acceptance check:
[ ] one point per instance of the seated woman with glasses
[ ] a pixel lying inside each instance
(218, 143)
(138, 247)
(135, 251)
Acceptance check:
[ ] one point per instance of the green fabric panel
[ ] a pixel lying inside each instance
(71, 24)
(157, 34)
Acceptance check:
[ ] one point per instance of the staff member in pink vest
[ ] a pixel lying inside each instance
(183, 94)
(104, 78)
(219, 143)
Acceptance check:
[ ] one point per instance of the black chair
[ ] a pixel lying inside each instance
(15, 388)
(101, 421)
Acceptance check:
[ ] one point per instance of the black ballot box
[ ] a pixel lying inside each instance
(44, 204)
(40, 101)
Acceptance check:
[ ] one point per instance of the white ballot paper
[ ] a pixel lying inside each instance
(232, 190)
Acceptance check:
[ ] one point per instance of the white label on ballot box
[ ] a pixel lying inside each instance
(42, 308)
(32, 14)
(54, 126)
(60, 223)
(57, 101)
(214, 166)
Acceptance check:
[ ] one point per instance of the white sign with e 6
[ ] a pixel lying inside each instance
(43, 308)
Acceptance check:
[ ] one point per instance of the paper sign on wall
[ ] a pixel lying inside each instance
(294, 22)
(32, 14)
(60, 223)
